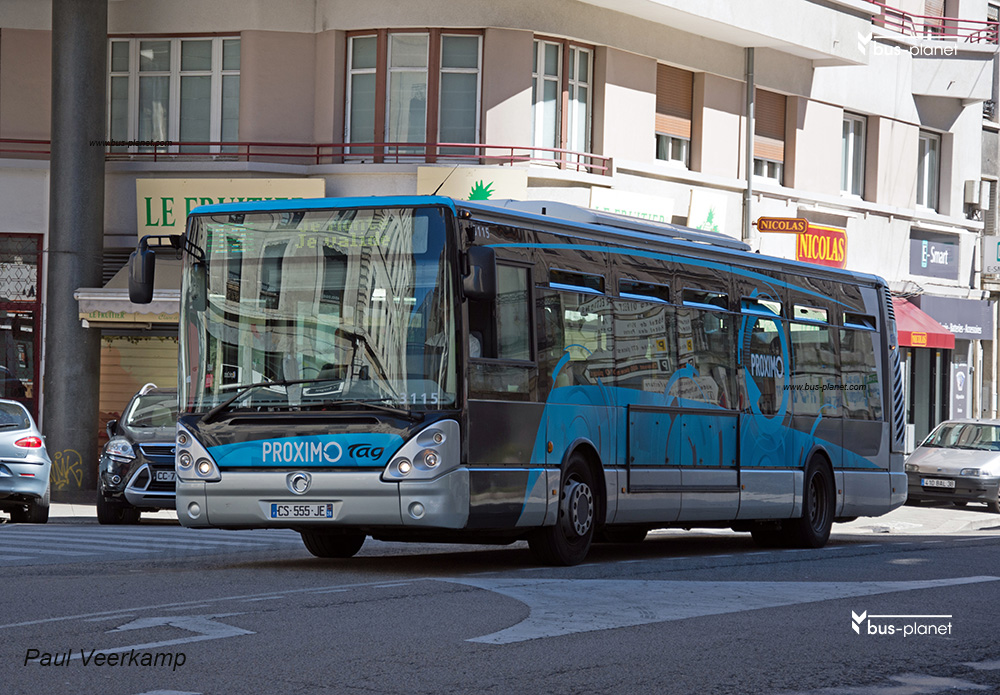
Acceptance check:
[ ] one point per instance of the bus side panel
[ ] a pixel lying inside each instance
(504, 433)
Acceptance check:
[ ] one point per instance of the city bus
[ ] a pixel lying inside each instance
(419, 368)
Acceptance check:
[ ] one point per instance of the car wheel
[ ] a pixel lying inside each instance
(326, 544)
(994, 504)
(112, 513)
(568, 541)
(36, 512)
(812, 529)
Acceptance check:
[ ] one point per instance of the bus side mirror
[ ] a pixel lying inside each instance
(480, 281)
(141, 269)
(112, 428)
(198, 287)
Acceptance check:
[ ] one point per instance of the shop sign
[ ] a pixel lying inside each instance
(933, 255)
(968, 319)
(822, 246)
(959, 389)
(782, 225)
(991, 255)
(164, 204)
(918, 339)
(647, 207)
(473, 183)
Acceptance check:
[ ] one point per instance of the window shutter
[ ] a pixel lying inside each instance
(674, 89)
(934, 8)
(769, 126)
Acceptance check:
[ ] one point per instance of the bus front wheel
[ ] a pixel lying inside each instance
(325, 544)
(568, 541)
(812, 529)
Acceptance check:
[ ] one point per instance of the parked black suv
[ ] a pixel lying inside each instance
(137, 465)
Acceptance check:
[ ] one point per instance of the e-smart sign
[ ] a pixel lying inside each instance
(934, 255)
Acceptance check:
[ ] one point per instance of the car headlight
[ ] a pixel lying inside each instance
(120, 448)
(911, 468)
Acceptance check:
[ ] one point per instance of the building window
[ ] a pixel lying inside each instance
(928, 169)
(185, 90)
(769, 135)
(560, 68)
(674, 98)
(852, 162)
(428, 91)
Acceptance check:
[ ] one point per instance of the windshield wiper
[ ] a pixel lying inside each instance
(379, 404)
(375, 404)
(246, 388)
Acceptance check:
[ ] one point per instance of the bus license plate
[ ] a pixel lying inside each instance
(936, 482)
(316, 510)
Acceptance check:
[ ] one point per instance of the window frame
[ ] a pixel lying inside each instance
(217, 72)
(565, 131)
(850, 150)
(928, 172)
(434, 72)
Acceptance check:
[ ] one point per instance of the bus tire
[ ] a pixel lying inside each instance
(812, 529)
(568, 541)
(326, 544)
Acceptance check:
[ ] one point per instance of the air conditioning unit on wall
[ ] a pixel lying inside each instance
(977, 194)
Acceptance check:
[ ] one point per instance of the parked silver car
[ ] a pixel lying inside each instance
(24, 466)
(959, 462)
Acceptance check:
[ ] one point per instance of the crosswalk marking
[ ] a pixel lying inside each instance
(64, 543)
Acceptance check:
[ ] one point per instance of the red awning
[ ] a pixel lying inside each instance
(917, 329)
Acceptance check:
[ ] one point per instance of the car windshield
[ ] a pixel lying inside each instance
(152, 410)
(957, 435)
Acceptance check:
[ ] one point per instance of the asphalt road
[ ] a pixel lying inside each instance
(906, 604)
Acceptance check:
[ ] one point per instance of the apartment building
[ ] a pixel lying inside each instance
(871, 122)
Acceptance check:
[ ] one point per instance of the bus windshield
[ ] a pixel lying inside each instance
(319, 309)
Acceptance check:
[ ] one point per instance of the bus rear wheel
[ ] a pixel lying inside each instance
(326, 544)
(568, 541)
(812, 529)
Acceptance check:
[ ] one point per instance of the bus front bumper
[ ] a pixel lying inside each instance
(262, 499)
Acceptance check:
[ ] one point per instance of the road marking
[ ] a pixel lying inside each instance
(566, 606)
(983, 665)
(107, 615)
(205, 628)
(903, 684)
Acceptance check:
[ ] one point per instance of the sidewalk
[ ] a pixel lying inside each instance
(928, 521)
(62, 512)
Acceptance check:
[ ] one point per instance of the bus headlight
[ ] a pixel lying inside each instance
(193, 461)
(431, 453)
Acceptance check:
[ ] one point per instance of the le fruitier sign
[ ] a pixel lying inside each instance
(814, 243)
(163, 204)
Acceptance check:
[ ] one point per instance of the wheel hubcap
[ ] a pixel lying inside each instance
(577, 508)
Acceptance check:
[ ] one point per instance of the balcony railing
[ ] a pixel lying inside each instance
(935, 28)
(330, 153)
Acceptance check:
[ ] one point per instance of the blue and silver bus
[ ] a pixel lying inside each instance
(423, 368)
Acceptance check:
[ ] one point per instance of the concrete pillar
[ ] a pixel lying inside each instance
(76, 228)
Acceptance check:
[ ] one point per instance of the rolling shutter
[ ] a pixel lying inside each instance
(127, 364)
(769, 126)
(674, 88)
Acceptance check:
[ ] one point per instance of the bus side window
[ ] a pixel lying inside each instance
(500, 330)
(862, 391)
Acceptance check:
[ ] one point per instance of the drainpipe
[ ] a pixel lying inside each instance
(748, 146)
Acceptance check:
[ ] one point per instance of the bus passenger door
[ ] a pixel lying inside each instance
(767, 477)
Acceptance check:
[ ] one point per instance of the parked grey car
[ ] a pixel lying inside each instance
(959, 462)
(136, 470)
(24, 466)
